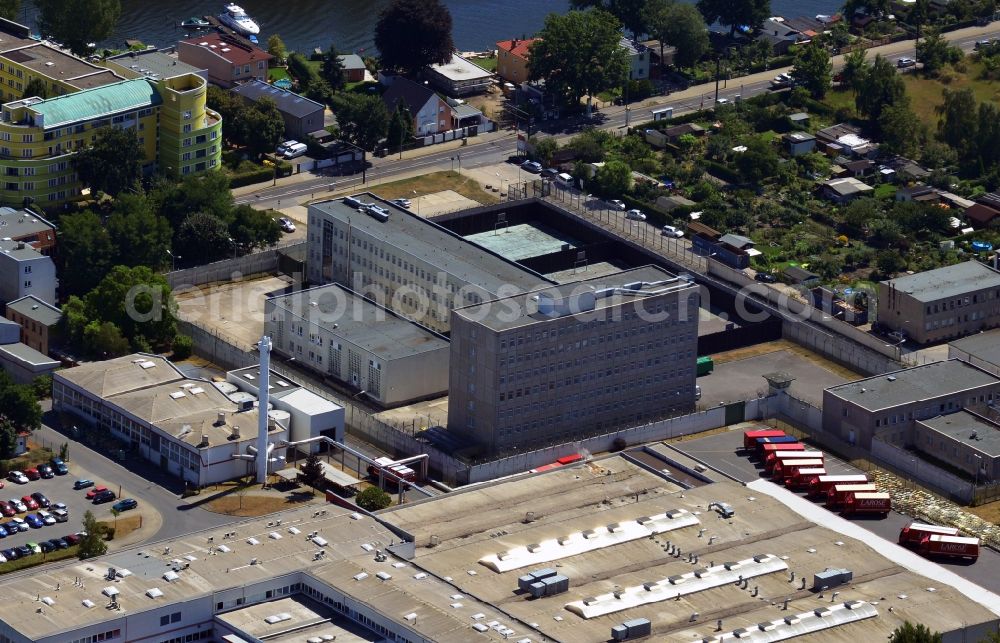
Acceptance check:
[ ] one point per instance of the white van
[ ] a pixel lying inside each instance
(295, 151)
(565, 179)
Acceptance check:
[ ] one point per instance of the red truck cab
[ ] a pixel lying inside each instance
(773, 457)
(912, 534)
(785, 468)
(838, 493)
(801, 477)
(750, 437)
(867, 502)
(950, 546)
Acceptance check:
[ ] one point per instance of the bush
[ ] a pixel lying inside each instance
(721, 171)
(373, 499)
(249, 178)
(183, 345)
(284, 168)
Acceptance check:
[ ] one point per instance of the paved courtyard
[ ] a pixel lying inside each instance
(235, 309)
(743, 378)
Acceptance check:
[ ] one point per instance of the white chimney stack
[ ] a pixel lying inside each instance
(262, 396)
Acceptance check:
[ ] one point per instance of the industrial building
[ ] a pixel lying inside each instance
(187, 427)
(888, 405)
(966, 440)
(336, 332)
(636, 553)
(981, 350)
(553, 363)
(405, 263)
(25, 271)
(941, 304)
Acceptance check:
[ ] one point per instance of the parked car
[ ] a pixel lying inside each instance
(283, 147)
(18, 505)
(671, 231)
(34, 521)
(765, 277)
(11, 528)
(61, 515)
(45, 470)
(71, 539)
(32, 474)
(635, 215)
(125, 504)
(721, 101)
(616, 204)
(903, 63)
(24, 551)
(59, 543)
(40, 498)
(550, 173)
(83, 484)
(532, 166)
(3, 531)
(96, 490)
(19, 523)
(59, 467)
(46, 546)
(46, 517)
(295, 151)
(18, 477)
(286, 224)
(104, 496)
(3, 559)
(403, 203)
(7, 510)
(30, 503)
(10, 554)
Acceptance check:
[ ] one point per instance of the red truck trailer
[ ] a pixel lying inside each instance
(837, 494)
(867, 502)
(950, 546)
(774, 456)
(913, 533)
(750, 437)
(820, 486)
(768, 449)
(401, 470)
(800, 477)
(784, 468)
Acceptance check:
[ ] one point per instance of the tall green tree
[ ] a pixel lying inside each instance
(104, 340)
(18, 405)
(204, 236)
(681, 26)
(411, 34)
(311, 472)
(92, 543)
(988, 133)
(9, 9)
(141, 237)
(959, 120)
(332, 70)
(813, 68)
(251, 228)
(208, 192)
(35, 87)
(879, 87)
(633, 14)
(902, 131)
(759, 161)
(579, 53)
(854, 70)
(735, 13)
(136, 300)
(263, 127)
(934, 51)
(77, 23)
(86, 252)
(276, 47)
(112, 163)
(400, 125)
(373, 499)
(874, 8)
(910, 633)
(613, 179)
(363, 118)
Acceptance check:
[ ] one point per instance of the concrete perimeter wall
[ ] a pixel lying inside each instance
(251, 264)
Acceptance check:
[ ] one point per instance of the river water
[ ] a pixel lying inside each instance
(306, 24)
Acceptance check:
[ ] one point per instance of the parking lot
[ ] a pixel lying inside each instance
(59, 489)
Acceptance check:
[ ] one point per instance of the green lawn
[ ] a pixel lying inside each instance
(885, 191)
(277, 73)
(489, 64)
(840, 99)
(926, 94)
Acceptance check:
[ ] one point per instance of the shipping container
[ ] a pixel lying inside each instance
(705, 365)
(867, 502)
(800, 477)
(913, 533)
(775, 456)
(950, 546)
(836, 495)
(784, 468)
(821, 485)
(750, 437)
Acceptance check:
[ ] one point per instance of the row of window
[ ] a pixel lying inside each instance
(632, 370)
(961, 319)
(102, 636)
(933, 410)
(968, 300)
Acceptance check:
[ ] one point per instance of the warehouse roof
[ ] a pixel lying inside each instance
(949, 281)
(433, 244)
(981, 346)
(927, 382)
(151, 63)
(113, 376)
(973, 429)
(94, 103)
(287, 102)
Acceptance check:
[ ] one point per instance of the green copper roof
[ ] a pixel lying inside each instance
(96, 103)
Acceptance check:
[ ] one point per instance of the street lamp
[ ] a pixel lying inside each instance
(233, 243)
(173, 260)
(975, 480)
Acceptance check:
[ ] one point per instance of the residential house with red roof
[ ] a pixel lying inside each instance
(512, 59)
(230, 60)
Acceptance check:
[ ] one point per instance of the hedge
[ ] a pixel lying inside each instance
(721, 171)
(249, 178)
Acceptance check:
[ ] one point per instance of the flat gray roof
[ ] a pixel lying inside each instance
(23, 353)
(18, 224)
(984, 346)
(950, 281)
(287, 102)
(435, 245)
(18, 250)
(523, 241)
(929, 381)
(963, 425)
(345, 314)
(34, 308)
(458, 69)
(152, 63)
(521, 310)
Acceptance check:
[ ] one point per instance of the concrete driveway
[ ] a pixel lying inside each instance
(742, 379)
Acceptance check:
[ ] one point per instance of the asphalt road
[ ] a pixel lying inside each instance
(488, 149)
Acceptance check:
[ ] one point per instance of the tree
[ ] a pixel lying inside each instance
(813, 68)
(633, 14)
(910, 633)
(400, 125)
(86, 252)
(934, 51)
(64, 451)
(9, 9)
(205, 236)
(889, 262)
(902, 131)
(207, 193)
(959, 120)
(411, 34)
(735, 13)
(988, 133)
(112, 163)
(332, 70)
(543, 149)
(373, 499)
(875, 8)
(363, 118)
(137, 301)
(92, 542)
(679, 25)
(758, 162)
(854, 70)
(77, 23)
(251, 228)
(263, 127)
(579, 53)
(35, 87)
(140, 236)
(878, 88)
(276, 47)
(613, 179)
(311, 471)
(19, 406)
